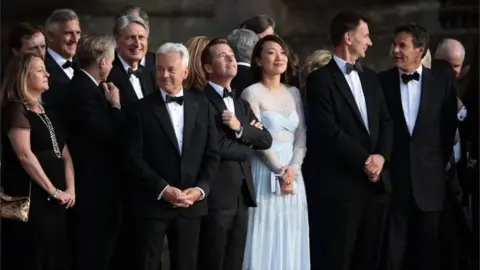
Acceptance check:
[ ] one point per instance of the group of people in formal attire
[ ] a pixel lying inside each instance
(230, 151)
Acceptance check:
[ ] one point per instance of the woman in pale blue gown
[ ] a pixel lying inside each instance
(278, 232)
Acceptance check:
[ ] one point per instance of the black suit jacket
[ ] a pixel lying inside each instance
(418, 161)
(119, 77)
(155, 159)
(56, 95)
(94, 127)
(234, 170)
(243, 79)
(337, 141)
(150, 63)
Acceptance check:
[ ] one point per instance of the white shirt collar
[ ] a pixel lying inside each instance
(57, 57)
(217, 88)
(142, 62)
(127, 66)
(243, 64)
(90, 76)
(164, 94)
(342, 64)
(418, 70)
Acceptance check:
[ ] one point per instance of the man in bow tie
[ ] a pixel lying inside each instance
(62, 31)
(224, 229)
(349, 142)
(423, 109)
(173, 155)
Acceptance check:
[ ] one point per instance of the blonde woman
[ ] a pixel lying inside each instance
(35, 162)
(196, 79)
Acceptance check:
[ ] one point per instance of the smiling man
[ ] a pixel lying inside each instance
(62, 31)
(129, 73)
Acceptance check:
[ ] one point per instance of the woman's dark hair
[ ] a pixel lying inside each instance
(257, 54)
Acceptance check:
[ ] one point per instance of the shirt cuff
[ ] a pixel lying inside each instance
(240, 133)
(203, 194)
(462, 113)
(161, 193)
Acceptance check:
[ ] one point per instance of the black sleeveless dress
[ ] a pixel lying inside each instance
(40, 244)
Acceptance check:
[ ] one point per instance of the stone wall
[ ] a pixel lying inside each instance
(302, 23)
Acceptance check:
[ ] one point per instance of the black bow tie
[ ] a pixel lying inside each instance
(135, 72)
(178, 100)
(351, 67)
(67, 64)
(408, 77)
(228, 93)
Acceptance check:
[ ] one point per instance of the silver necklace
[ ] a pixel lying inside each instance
(46, 121)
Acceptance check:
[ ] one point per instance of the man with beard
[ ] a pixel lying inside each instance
(62, 32)
(423, 109)
(224, 229)
(94, 123)
(128, 73)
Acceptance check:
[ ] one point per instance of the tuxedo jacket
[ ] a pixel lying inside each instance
(94, 127)
(118, 76)
(156, 161)
(418, 161)
(242, 80)
(234, 172)
(338, 142)
(58, 85)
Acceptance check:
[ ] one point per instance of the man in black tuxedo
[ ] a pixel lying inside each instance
(63, 32)
(173, 152)
(423, 109)
(242, 42)
(94, 123)
(129, 72)
(350, 140)
(224, 229)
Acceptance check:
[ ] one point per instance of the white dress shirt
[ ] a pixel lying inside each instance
(411, 93)
(176, 113)
(134, 80)
(61, 61)
(228, 103)
(356, 87)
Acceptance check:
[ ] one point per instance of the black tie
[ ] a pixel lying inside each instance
(408, 77)
(67, 64)
(179, 100)
(357, 67)
(228, 93)
(135, 72)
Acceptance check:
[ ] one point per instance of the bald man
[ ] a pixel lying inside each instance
(453, 52)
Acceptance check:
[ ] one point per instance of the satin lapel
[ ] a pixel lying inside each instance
(344, 88)
(121, 75)
(426, 95)
(161, 112)
(215, 98)
(190, 109)
(146, 82)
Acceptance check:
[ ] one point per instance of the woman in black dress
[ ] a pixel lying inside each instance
(35, 161)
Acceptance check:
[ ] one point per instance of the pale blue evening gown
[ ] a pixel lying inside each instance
(278, 231)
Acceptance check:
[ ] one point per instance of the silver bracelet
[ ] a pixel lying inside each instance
(57, 191)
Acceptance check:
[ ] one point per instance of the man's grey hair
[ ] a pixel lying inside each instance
(242, 42)
(58, 16)
(125, 20)
(94, 47)
(446, 45)
(170, 47)
(130, 9)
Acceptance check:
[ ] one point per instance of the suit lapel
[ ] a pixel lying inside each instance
(215, 98)
(344, 88)
(125, 81)
(396, 93)
(163, 116)
(145, 82)
(190, 108)
(54, 68)
(426, 95)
